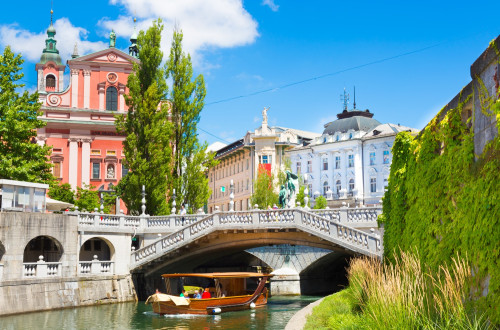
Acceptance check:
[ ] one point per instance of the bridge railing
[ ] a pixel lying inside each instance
(121, 221)
(355, 217)
(42, 269)
(96, 267)
(335, 232)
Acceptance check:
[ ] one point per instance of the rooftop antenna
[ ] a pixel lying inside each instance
(354, 104)
(345, 99)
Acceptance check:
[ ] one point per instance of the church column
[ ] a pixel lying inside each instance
(74, 88)
(86, 161)
(41, 82)
(61, 80)
(86, 89)
(121, 99)
(100, 91)
(73, 162)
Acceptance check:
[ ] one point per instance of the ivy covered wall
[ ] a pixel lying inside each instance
(443, 196)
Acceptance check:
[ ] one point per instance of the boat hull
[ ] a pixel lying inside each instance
(209, 306)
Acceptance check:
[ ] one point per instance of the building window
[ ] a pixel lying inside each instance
(50, 82)
(310, 189)
(372, 158)
(111, 98)
(338, 186)
(386, 182)
(299, 164)
(350, 161)
(248, 183)
(386, 156)
(351, 185)
(56, 170)
(326, 187)
(373, 185)
(96, 171)
(325, 164)
(309, 166)
(337, 162)
(248, 164)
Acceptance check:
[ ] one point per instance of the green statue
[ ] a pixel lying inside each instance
(112, 39)
(282, 196)
(288, 190)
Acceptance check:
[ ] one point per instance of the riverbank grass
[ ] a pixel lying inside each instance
(401, 295)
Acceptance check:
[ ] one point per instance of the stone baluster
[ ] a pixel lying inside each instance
(306, 198)
(95, 267)
(41, 267)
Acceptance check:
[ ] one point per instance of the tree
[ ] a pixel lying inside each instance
(21, 158)
(187, 96)
(148, 129)
(87, 198)
(195, 182)
(62, 192)
(321, 203)
(301, 195)
(264, 194)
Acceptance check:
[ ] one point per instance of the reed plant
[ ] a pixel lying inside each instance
(406, 295)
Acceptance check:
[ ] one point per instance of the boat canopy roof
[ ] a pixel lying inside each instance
(218, 275)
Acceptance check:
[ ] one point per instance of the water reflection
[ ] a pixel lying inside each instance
(139, 316)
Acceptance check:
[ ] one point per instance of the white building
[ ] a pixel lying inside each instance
(350, 161)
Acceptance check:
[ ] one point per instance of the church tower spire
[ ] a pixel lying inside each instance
(132, 49)
(50, 68)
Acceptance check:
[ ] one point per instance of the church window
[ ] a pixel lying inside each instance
(338, 187)
(386, 156)
(350, 160)
(326, 187)
(56, 170)
(50, 82)
(372, 158)
(111, 98)
(351, 185)
(373, 185)
(309, 166)
(96, 171)
(325, 164)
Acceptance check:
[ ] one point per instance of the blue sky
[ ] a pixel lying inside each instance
(244, 48)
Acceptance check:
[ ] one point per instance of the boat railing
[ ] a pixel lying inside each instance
(42, 268)
(96, 267)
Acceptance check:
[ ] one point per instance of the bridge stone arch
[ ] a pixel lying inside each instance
(97, 246)
(46, 246)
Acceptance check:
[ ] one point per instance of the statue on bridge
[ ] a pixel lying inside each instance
(288, 191)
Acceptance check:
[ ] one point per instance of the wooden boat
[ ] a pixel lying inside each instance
(229, 294)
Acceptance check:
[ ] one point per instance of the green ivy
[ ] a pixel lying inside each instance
(444, 200)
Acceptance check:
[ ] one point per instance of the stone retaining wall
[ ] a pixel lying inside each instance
(21, 296)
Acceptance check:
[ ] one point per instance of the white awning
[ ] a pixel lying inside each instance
(55, 205)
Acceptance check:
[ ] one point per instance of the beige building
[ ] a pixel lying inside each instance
(239, 162)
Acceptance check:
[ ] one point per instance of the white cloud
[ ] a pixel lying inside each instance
(205, 24)
(31, 45)
(271, 4)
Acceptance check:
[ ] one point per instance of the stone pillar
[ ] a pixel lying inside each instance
(41, 82)
(286, 281)
(86, 161)
(95, 267)
(41, 267)
(73, 162)
(100, 91)
(86, 89)
(74, 87)
(60, 81)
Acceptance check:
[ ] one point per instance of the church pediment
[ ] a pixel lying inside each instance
(109, 55)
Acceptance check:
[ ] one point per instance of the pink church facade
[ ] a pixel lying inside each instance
(86, 149)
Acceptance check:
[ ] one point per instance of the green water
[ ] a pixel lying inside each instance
(124, 316)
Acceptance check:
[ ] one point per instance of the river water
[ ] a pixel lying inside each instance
(125, 316)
